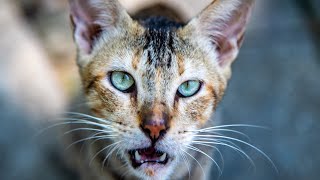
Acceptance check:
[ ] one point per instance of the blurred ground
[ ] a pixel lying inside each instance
(275, 84)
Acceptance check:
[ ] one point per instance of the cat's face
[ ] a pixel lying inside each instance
(156, 69)
(154, 87)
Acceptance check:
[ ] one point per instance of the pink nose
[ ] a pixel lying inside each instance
(154, 131)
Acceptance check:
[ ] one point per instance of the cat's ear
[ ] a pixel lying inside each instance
(91, 18)
(223, 23)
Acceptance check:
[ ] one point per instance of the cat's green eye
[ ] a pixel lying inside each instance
(189, 88)
(122, 81)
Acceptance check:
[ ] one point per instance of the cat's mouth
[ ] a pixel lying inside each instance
(148, 155)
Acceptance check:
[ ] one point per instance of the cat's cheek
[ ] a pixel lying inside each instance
(102, 101)
(200, 109)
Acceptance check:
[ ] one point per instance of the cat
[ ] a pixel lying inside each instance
(152, 83)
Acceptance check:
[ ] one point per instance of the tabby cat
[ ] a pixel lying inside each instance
(152, 83)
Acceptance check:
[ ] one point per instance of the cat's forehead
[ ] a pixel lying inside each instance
(160, 46)
(160, 54)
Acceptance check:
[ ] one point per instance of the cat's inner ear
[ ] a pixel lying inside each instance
(91, 18)
(223, 24)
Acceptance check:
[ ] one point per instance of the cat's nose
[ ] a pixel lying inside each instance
(154, 129)
(155, 123)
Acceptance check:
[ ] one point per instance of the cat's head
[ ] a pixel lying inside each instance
(155, 83)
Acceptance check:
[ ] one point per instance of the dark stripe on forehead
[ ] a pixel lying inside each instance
(160, 37)
(159, 46)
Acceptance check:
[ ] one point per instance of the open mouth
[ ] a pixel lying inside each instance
(147, 155)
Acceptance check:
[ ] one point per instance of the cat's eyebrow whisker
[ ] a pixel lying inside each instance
(245, 143)
(207, 143)
(200, 151)
(95, 155)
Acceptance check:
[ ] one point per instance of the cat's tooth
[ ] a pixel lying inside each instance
(163, 157)
(137, 156)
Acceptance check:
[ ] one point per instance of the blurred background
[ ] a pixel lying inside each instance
(275, 84)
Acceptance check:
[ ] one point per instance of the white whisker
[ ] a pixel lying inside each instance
(224, 130)
(198, 150)
(250, 145)
(187, 163)
(86, 129)
(89, 121)
(233, 125)
(99, 133)
(105, 159)
(218, 140)
(88, 138)
(88, 116)
(68, 123)
(112, 144)
(205, 143)
(204, 174)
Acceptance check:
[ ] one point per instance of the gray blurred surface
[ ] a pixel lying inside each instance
(276, 84)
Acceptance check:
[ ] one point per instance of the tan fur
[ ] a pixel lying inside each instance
(188, 56)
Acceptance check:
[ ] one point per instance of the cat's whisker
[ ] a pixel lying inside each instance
(95, 134)
(104, 122)
(227, 142)
(207, 143)
(86, 129)
(117, 153)
(75, 121)
(200, 151)
(106, 158)
(214, 131)
(245, 143)
(125, 173)
(233, 125)
(103, 149)
(187, 163)
(220, 140)
(98, 139)
(204, 174)
(89, 138)
(220, 154)
(185, 159)
(88, 116)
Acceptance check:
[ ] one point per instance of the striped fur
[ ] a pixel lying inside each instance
(160, 54)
